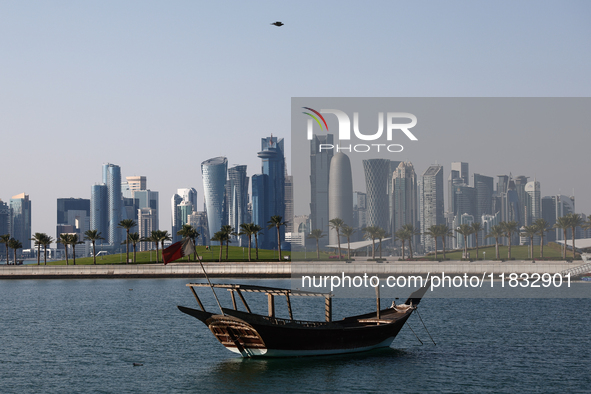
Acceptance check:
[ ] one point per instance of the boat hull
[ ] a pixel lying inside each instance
(252, 335)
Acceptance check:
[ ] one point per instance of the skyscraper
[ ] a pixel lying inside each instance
(273, 166)
(376, 183)
(340, 193)
(73, 212)
(432, 203)
(213, 172)
(484, 191)
(534, 202)
(462, 169)
(289, 215)
(147, 219)
(4, 225)
(237, 197)
(175, 216)
(20, 206)
(405, 197)
(99, 212)
(112, 178)
(137, 182)
(319, 178)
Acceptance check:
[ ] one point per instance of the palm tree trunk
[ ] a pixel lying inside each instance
(573, 235)
(497, 248)
(509, 248)
(39, 254)
(339, 242)
(249, 246)
(465, 246)
(380, 248)
(564, 249)
(127, 248)
(227, 247)
(403, 249)
(74, 253)
(279, 242)
(443, 243)
(45, 254)
(256, 243)
(317, 249)
(66, 249)
(348, 248)
(542, 245)
(221, 247)
(93, 252)
(410, 247)
(157, 258)
(134, 254)
(476, 238)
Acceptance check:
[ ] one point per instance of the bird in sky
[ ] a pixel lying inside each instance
(278, 24)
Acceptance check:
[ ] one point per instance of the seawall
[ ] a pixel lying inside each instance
(278, 270)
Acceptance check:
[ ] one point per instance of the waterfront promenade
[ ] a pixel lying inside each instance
(280, 269)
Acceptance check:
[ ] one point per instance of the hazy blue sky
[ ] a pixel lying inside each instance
(158, 87)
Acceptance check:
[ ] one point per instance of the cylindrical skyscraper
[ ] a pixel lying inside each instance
(213, 172)
(340, 193)
(376, 184)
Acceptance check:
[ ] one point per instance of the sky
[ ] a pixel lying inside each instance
(158, 87)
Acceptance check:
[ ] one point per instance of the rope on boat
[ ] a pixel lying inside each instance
(425, 327)
(413, 331)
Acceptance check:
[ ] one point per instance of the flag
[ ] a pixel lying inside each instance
(178, 250)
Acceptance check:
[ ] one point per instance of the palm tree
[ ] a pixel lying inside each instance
(542, 227)
(190, 232)
(220, 236)
(336, 224)
(381, 235)
(530, 232)
(134, 238)
(256, 230)
(563, 224)
(163, 235)
(476, 229)
(316, 234)
(574, 220)
(348, 231)
(497, 232)
(410, 233)
(4, 240)
(154, 237)
(434, 232)
(401, 235)
(371, 232)
(277, 221)
(14, 244)
(127, 224)
(465, 230)
(246, 229)
(443, 233)
(93, 236)
(74, 241)
(46, 241)
(229, 230)
(38, 238)
(509, 228)
(64, 239)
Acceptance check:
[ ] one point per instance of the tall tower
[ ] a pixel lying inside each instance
(20, 205)
(112, 178)
(237, 197)
(273, 166)
(5, 218)
(213, 172)
(340, 192)
(99, 212)
(534, 206)
(319, 179)
(175, 200)
(405, 197)
(376, 184)
(462, 169)
(484, 192)
(432, 203)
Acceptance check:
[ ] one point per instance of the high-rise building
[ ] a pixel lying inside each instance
(74, 212)
(175, 216)
(484, 191)
(147, 219)
(189, 194)
(340, 193)
(319, 177)
(259, 185)
(137, 182)
(20, 206)
(462, 170)
(213, 172)
(359, 213)
(376, 184)
(522, 196)
(405, 197)
(431, 204)
(289, 213)
(534, 203)
(5, 218)
(112, 178)
(199, 221)
(273, 166)
(237, 199)
(99, 211)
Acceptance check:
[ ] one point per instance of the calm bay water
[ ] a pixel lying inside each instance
(70, 336)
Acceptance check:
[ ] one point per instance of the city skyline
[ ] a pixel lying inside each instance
(134, 81)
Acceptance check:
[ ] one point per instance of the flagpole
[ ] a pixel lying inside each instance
(208, 281)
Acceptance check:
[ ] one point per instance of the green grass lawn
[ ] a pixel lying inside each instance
(552, 251)
(235, 253)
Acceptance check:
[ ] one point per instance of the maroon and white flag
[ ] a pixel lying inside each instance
(178, 250)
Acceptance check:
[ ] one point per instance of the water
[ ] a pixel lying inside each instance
(74, 336)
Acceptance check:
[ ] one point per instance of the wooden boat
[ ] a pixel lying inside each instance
(254, 335)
